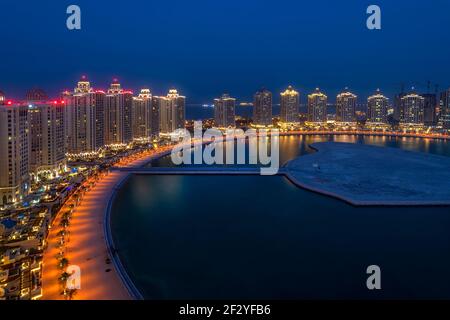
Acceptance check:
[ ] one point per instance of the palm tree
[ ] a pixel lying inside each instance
(64, 276)
(64, 223)
(70, 293)
(61, 233)
(63, 262)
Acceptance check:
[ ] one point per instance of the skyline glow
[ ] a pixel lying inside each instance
(205, 48)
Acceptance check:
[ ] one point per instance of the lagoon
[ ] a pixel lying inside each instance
(254, 237)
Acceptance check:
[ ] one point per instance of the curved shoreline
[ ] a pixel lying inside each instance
(346, 198)
(88, 246)
(128, 282)
(110, 246)
(367, 133)
(85, 248)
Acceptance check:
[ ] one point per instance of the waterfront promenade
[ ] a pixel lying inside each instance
(86, 246)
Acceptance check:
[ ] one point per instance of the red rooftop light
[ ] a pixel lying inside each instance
(9, 102)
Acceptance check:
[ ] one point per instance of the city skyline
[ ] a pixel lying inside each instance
(401, 52)
(215, 150)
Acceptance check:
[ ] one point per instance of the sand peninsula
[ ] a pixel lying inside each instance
(369, 175)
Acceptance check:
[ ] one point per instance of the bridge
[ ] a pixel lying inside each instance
(192, 170)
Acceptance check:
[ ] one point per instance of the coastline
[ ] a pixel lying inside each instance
(121, 271)
(97, 240)
(310, 176)
(368, 133)
(110, 246)
(88, 247)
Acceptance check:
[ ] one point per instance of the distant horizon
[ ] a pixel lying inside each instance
(205, 48)
(362, 98)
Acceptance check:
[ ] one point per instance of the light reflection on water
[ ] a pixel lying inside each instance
(294, 146)
(193, 237)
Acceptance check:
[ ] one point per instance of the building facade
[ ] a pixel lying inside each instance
(155, 125)
(346, 107)
(118, 115)
(290, 106)
(14, 153)
(317, 106)
(430, 109)
(142, 115)
(444, 110)
(84, 119)
(172, 110)
(224, 112)
(47, 138)
(377, 108)
(262, 108)
(412, 109)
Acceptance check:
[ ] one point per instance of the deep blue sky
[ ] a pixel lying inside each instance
(206, 47)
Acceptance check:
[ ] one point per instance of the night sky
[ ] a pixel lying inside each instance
(207, 47)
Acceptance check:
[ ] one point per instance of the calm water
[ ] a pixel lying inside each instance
(194, 237)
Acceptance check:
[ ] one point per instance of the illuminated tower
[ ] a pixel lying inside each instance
(317, 106)
(377, 106)
(290, 105)
(155, 121)
(412, 109)
(262, 108)
(172, 112)
(47, 140)
(444, 110)
(14, 153)
(224, 111)
(346, 107)
(118, 115)
(430, 107)
(142, 115)
(84, 118)
(2, 98)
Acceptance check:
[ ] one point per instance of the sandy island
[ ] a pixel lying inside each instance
(369, 175)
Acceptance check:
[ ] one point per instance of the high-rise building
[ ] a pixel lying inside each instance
(224, 112)
(2, 98)
(142, 115)
(377, 108)
(47, 139)
(14, 153)
(84, 119)
(444, 110)
(118, 114)
(429, 109)
(172, 112)
(262, 108)
(317, 106)
(290, 105)
(346, 107)
(155, 125)
(412, 109)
